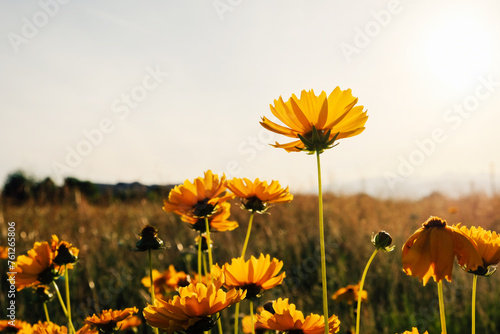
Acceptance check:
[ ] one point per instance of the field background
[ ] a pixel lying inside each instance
(108, 274)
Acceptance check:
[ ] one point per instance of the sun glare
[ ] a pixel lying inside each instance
(458, 51)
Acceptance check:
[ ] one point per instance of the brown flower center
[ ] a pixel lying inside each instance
(434, 222)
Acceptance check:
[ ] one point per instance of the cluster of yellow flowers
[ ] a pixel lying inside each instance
(193, 305)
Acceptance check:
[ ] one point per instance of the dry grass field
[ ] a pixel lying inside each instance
(108, 273)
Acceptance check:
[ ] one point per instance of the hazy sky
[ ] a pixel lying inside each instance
(160, 91)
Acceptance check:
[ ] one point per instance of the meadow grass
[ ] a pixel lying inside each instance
(108, 273)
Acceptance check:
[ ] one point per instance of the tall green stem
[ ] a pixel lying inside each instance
(150, 258)
(249, 230)
(441, 307)
(322, 245)
(210, 261)
(360, 294)
(46, 311)
(236, 317)
(200, 241)
(252, 321)
(61, 301)
(474, 288)
(68, 304)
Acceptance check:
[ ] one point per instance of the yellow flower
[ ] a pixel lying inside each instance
(316, 121)
(414, 331)
(107, 321)
(218, 221)
(35, 268)
(254, 275)
(192, 309)
(64, 252)
(20, 327)
(48, 327)
(431, 250)
(4, 254)
(286, 319)
(198, 199)
(169, 280)
(487, 245)
(257, 196)
(246, 325)
(350, 294)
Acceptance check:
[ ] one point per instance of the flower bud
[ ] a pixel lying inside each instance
(382, 240)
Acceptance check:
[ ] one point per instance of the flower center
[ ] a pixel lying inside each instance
(252, 290)
(434, 222)
(205, 324)
(203, 208)
(254, 204)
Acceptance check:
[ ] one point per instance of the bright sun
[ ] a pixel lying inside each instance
(458, 51)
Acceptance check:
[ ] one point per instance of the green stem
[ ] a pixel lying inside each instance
(155, 330)
(210, 262)
(68, 304)
(322, 245)
(360, 294)
(219, 323)
(61, 301)
(474, 288)
(441, 307)
(252, 321)
(200, 240)
(249, 230)
(46, 311)
(236, 317)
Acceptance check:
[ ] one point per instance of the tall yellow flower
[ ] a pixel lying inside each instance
(169, 280)
(254, 275)
(192, 309)
(288, 319)
(431, 250)
(64, 252)
(487, 245)
(257, 196)
(316, 121)
(107, 321)
(200, 198)
(36, 268)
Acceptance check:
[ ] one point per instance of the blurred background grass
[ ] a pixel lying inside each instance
(108, 274)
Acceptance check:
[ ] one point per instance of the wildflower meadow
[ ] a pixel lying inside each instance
(243, 255)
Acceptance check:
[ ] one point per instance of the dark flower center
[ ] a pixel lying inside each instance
(295, 331)
(435, 222)
(254, 204)
(203, 208)
(149, 240)
(205, 324)
(109, 327)
(64, 256)
(47, 276)
(253, 290)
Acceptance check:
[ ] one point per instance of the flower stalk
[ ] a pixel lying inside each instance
(442, 316)
(474, 289)
(249, 230)
(322, 245)
(68, 304)
(361, 284)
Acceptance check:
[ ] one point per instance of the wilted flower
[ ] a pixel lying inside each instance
(258, 196)
(316, 121)
(149, 239)
(287, 319)
(431, 250)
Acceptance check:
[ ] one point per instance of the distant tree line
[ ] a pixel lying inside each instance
(19, 189)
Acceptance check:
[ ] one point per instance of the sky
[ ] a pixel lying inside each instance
(160, 91)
